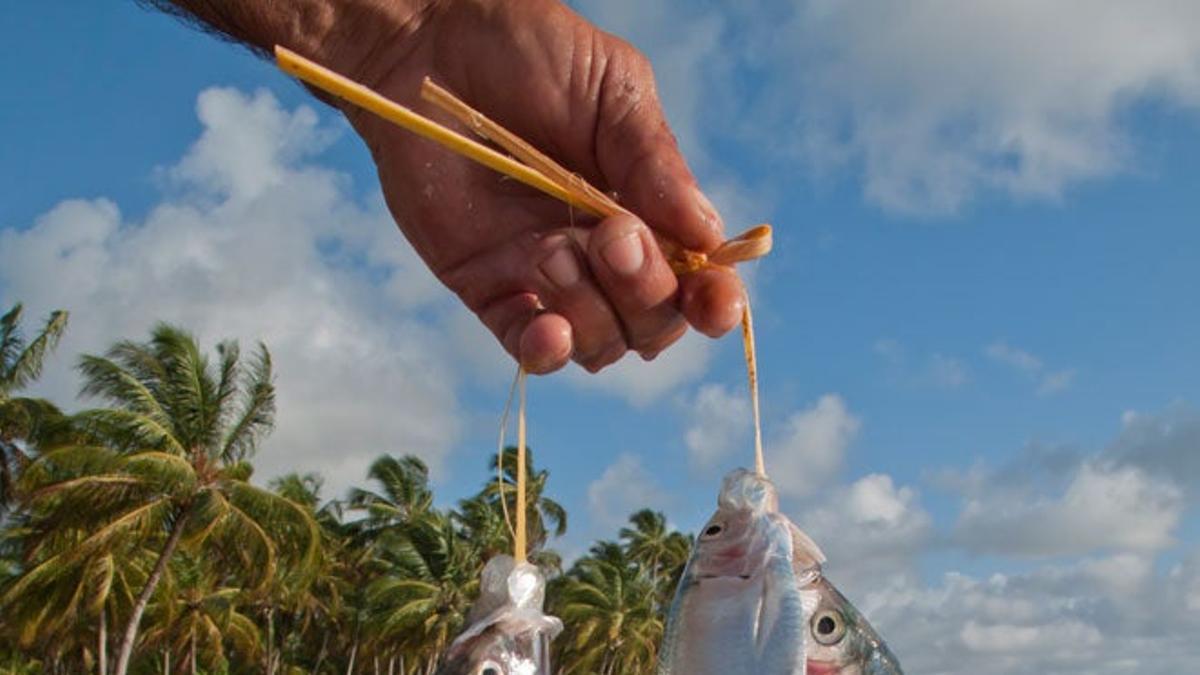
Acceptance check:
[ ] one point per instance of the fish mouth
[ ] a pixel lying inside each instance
(822, 668)
(743, 577)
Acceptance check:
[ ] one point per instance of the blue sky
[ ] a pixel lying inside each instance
(978, 331)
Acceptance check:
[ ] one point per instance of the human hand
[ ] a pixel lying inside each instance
(552, 285)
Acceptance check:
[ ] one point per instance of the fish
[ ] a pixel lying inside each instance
(842, 642)
(507, 633)
(753, 599)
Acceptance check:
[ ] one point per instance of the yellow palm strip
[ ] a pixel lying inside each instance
(326, 80)
(754, 243)
(519, 543)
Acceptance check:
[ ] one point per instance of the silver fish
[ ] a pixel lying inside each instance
(507, 633)
(753, 601)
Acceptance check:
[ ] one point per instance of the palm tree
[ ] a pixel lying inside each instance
(661, 552)
(297, 611)
(70, 601)
(404, 498)
(20, 364)
(541, 510)
(166, 465)
(195, 616)
(421, 602)
(608, 607)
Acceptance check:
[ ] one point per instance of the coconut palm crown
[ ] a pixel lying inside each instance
(165, 465)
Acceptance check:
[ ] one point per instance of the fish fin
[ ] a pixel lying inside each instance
(805, 551)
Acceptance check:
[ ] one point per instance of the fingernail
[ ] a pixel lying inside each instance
(561, 268)
(625, 254)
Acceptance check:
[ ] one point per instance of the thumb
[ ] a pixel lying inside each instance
(640, 158)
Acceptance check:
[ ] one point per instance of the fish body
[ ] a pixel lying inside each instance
(753, 600)
(740, 608)
(507, 633)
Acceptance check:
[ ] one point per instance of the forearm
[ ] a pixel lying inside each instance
(342, 34)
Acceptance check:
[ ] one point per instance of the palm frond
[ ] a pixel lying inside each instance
(22, 363)
(121, 385)
(256, 416)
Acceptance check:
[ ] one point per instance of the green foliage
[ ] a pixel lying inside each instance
(146, 504)
(23, 421)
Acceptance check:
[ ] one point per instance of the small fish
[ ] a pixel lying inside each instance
(753, 601)
(507, 633)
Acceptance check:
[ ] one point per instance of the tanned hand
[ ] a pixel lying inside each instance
(551, 285)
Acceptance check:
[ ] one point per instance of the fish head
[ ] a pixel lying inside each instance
(841, 641)
(736, 541)
(508, 633)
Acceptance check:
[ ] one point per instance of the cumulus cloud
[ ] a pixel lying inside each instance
(1166, 444)
(641, 382)
(1053, 619)
(253, 240)
(1048, 381)
(810, 449)
(625, 486)
(803, 455)
(936, 101)
(1103, 507)
(719, 423)
(869, 530)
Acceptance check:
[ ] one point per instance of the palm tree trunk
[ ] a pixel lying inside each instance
(102, 644)
(143, 599)
(353, 653)
(167, 661)
(321, 652)
(391, 665)
(270, 638)
(376, 664)
(192, 653)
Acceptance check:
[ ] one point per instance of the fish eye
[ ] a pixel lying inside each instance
(713, 530)
(489, 668)
(829, 626)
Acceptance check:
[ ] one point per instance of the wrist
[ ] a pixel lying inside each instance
(358, 38)
(344, 35)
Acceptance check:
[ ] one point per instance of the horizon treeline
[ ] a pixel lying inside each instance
(133, 540)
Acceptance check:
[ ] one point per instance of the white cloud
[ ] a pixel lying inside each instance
(869, 530)
(643, 382)
(1048, 382)
(939, 101)
(938, 370)
(256, 241)
(1102, 508)
(719, 424)
(1017, 358)
(624, 487)
(808, 453)
(1165, 444)
(1052, 619)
